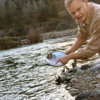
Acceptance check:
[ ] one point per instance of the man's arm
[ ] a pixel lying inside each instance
(78, 43)
(71, 54)
(66, 58)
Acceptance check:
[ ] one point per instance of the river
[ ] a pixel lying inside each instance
(25, 75)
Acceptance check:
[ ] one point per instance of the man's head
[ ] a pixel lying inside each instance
(77, 8)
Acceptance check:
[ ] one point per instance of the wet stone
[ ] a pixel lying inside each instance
(97, 85)
(85, 79)
(74, 80)
(68, 88)
(98, 76)
(63, 78)
(68, 78)
(94, 93)
(74, 92)
(95, 63)
(85, 67)
(79, 72)
(94, 69)
(82, 96)
(94, 82)
(88, 78)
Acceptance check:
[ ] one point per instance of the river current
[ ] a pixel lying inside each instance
(25, 75)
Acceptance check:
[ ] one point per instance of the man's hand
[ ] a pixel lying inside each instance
(63, 59)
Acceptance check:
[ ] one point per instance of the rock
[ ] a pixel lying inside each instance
(61, 79)
(68, 88)
(97, 86)
(88, 79)
(94, 82)
(58, 80)
(79, 72)
(92, 95)
(74, 92)
(64, 73)
(82, 96)
(95, 93)
(94, 69)
(96, 62)
(85, 67)
(98, 76)
(74, 80)
(69, 78)
(73, 70)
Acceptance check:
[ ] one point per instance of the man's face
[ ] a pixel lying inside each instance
(78, 9)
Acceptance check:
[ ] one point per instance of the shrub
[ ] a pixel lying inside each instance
(7, 43)
(34, 35)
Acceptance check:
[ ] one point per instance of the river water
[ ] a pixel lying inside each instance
(25, 75)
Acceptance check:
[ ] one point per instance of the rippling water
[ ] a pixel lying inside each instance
(24, 74)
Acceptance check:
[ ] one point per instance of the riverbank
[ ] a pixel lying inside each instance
(59, 34)
(33, 37)
(82, 82)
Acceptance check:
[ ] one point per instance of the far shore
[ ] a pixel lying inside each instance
(8, 42)
(58, 34)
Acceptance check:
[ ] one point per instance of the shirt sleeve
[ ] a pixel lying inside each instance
(93, 45)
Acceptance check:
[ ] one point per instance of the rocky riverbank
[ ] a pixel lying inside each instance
(82, 82)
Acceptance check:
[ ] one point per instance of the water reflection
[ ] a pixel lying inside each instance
(24, 74)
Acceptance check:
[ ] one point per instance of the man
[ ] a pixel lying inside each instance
(87, 16)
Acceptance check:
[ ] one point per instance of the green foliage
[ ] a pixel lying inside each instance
(19, 13)
(16, 12)
(41, 4)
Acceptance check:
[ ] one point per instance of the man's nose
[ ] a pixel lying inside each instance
(77, 14)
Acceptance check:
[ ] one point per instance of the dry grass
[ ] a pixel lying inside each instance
(34, 35)
(7, 43)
